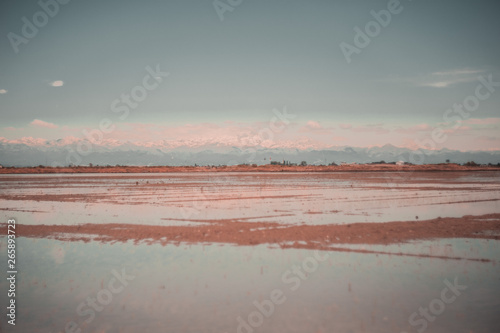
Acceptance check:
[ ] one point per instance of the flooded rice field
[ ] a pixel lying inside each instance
(285, 198)
(254, 252)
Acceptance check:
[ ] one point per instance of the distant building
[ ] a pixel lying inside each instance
(400, 163)
(287, 163)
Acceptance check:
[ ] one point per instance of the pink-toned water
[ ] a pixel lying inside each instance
(288, 198)
(214, 287)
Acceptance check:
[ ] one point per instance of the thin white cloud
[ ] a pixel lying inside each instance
(3, 91)
(57, 83)
(41, 123)
(459, 72)
(442, 84)
(448, 78)
(441, 79)
(447, 83)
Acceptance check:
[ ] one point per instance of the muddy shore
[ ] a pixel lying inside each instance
(303, 236)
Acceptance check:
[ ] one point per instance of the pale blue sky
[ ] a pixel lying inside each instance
(265, 54)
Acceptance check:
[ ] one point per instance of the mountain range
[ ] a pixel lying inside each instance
(63, 152)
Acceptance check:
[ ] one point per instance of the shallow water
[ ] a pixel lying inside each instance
(289, 198)
(205, 288)
(215, 287)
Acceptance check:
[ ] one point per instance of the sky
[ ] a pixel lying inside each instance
(227, 71)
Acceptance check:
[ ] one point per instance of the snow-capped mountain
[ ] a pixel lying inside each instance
(71, 150)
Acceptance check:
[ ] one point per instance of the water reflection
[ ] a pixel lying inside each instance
(205, 288)
(291, 198)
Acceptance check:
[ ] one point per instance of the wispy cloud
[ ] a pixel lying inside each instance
(315, 128)
(447, 83)
(488, 138)
(311, 134)
(482, 121)
(440, 84)
(3, 91)
(313, 124)
(366, 128)
(371, 128)
(41, 123)
(460, 130)
(459, 72)
(440, 79)
(414, 129)
(57, 83)
(448, 78)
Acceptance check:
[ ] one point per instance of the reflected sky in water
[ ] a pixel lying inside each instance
(290, 198)
(205, 288)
